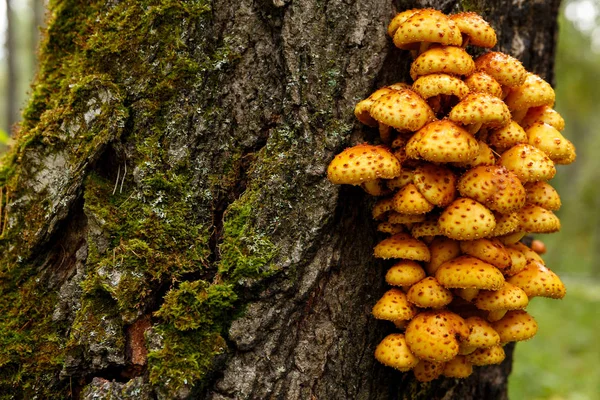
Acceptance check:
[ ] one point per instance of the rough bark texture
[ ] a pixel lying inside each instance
(170, 232)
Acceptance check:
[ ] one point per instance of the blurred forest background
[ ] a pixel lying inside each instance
(563, 360)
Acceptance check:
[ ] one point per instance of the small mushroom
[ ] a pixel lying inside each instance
(546, 138)
(381, 208)
(405, 273)
(394, 352)
(469, 272)
(426, 371)
(362, 163)
(402, 245)
(362, 110)
(441, 250)
(542, 194)
(488, 250)
(397, 218)
(442, 141)
(529, 254)
(485, 156)
(533, 92)
(506, 70)
(537, 280)
(479, 110)
(394, 306)
(505, 224)
(443, 59)
(508, 136)
(484, 83)
(466, 219)
(428, 293)
(543, 114)
(498, 302)
(431, 336)
(426, 229)
(458, 367)
(409, 200)
(440, 90)
(436, 183)
(518, 261)
(403, 110)
(424, 27)
(529, 163)
(487, 356)
(536, 219)
(515, 326)
(386, 227)
(481, 335)
(474, 29)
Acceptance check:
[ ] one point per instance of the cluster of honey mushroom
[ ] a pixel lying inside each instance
(462, 176)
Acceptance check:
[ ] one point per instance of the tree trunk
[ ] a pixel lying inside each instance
(169, 231)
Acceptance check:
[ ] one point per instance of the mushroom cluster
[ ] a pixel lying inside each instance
(461, 173)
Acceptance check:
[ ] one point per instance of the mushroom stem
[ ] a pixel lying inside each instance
(385, 133)
(518, 115)
(467, 294)
(496, 315)
(465, 40)
(474, 128)
(423, 47)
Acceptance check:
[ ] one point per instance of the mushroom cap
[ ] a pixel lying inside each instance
(479, 32)
(529, 163)
(536, 219)
(363, 162)
(376, 187)
(397, 218)
(431, 336)
(481, 334)
(405, 177)
(409, 200)
(505, 224)
(508, 136)
(394, 352)
(546, 138)
(485, 156)
(428, 293)
(537, 280)
(543, 114)
(399, 19)
(530, 255)
(542, 194)
(466, 219)
(495, 187)
(442, 141)
(469, 272)
(405, 273)
(394, 306)
(487, 356)
(427, 228)
(518, 261)
(509, 297)
(402, 109)
(488, 250)
(426, 25)
(426, 371)
(387, 227)
(362, 110)
(480, 108)
(442, 59)
(512, 238)
(435, 84)
(515, 326)
(482, 82)
(381, 208)
(458, 367)
(570, 157)
(441, 249)
(402, 245)
(436, 183)
(506, 70)
(533, 92)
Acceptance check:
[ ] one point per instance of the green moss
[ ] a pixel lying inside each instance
(471, 6)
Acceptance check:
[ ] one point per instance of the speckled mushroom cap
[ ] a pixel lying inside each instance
(480, 108)
(536, 219)
(467, 272)
(430, 336)
(530, 255)
(427, 228)
(394, 306)
(428, 293)
(546, 138)
(394, 352)
(487, 356)
(427, 25)
(405, 273)
(537, 280)
(481, 334)
(569, 158)
(405, 177)
(488, 250)
(442, 141)
(436, 183)
(542, 194)
(436, 84)
(508, 136)
(458, 367)
(485, 156)
(441, 250)
(403, 246)
(387, 227)
(518, 261)
(399, 19)
(362, 110)
(533, 92)
(529, 163)
(495, 187)
(505, 224)
(478, 31)
(426, 371)
(409, 200)
(509, 297)
(506, 70)
(466, 219)
(543, 114)
(482, 82)
(512, 238)
(397, 218)
(402, 110)
(515, 326)
(443, 59)
(363, 162)
(381, 208)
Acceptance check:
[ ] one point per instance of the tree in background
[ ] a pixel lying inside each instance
(169, 231)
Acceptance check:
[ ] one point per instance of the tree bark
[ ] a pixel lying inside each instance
(169, 231)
